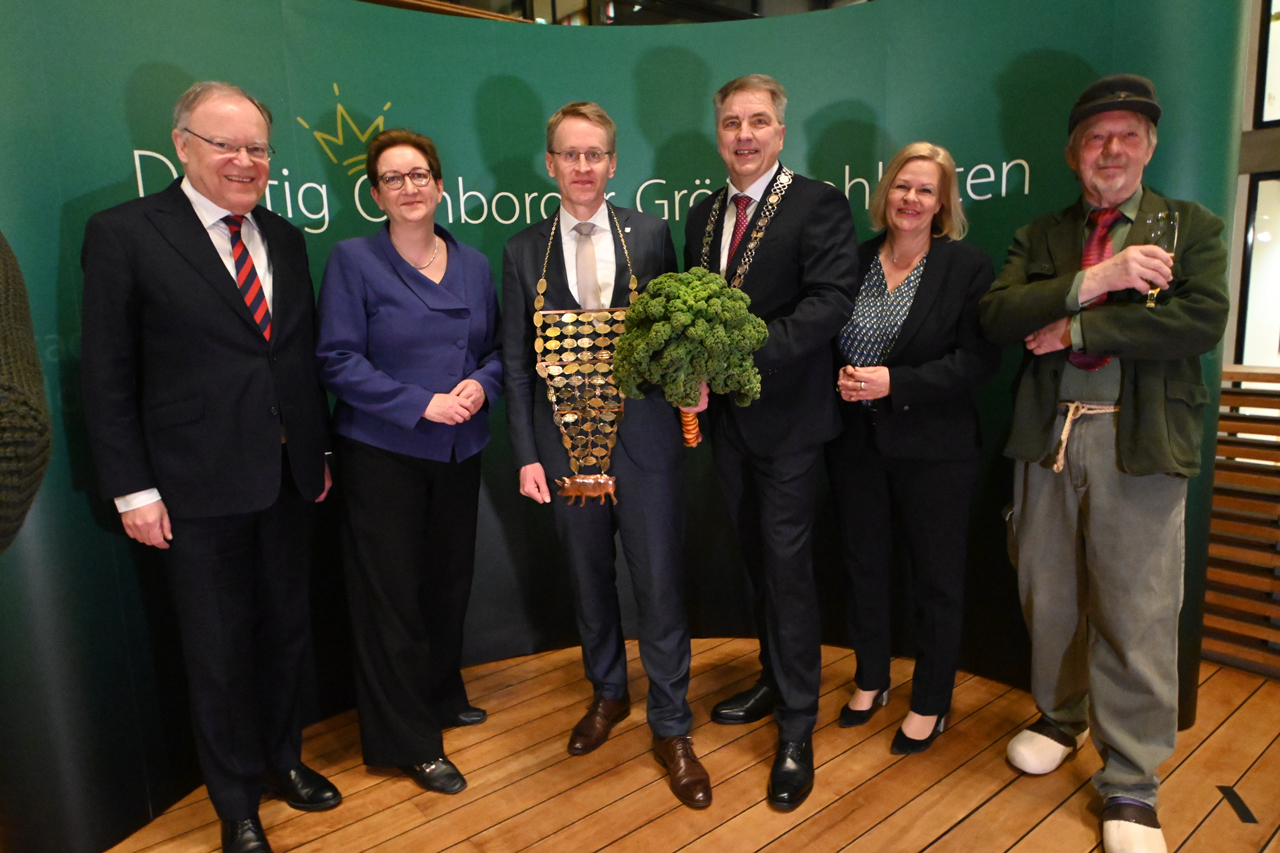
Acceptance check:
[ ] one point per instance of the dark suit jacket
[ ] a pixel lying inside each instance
(937, 361)
(391, 339)
(1162, 392)
(182, 392)
(650, 430)
(801, 283)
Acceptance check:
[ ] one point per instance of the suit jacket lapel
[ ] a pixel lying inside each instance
(751, 224)
(558, 297)
(1140, 230)
(717, 229)
(931, 282)
(1140, 233)
(177, 222)
(433, 294)
(282, 311)
(1066, 240)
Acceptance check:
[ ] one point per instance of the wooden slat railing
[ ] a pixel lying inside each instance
(1242, 589)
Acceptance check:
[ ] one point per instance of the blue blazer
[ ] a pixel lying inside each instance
(390, 339)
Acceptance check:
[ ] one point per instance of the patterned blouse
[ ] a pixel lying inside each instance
(878, 316)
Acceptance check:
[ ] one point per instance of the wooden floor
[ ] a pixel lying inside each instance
(527, 793)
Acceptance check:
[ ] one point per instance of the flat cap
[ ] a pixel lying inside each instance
(1117, 92)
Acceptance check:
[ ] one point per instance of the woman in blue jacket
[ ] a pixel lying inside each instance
(409, 345)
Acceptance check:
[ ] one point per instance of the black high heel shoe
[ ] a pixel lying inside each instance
(850, 717)
(903, 745)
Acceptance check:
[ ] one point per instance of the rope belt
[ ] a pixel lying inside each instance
(1074, 411)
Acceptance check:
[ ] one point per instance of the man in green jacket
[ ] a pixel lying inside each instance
(1106, 430)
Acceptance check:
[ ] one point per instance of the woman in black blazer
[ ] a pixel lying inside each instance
(910, 357)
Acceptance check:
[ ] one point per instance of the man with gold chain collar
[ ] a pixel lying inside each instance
(789, 242)
(573, 274)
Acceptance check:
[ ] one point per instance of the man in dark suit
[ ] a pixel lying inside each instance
(209, 428)
(1107, 422)
(789, 242)
(590, 254)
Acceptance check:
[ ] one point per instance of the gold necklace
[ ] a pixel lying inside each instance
(430, 260)
(915, 259)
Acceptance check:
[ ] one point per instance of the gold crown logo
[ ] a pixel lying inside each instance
(353, 164)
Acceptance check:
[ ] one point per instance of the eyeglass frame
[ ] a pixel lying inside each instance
(403, 176)
(225, 149)
(570, 158)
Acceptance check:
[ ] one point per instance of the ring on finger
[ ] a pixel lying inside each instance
(862, 384)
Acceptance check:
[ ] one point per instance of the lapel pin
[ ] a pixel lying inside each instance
(627, 229)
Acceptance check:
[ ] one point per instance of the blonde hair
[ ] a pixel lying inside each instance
(949, 221)
(592, 112)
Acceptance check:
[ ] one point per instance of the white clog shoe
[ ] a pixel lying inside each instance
(1042, 747)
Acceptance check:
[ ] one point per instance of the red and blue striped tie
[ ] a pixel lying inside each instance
(247, 276)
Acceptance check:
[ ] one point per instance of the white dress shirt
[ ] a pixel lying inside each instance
(756, 191)
(602, 239)
(210, 216)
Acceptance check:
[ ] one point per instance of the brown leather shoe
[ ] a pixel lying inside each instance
(688, 778)
(593, 729)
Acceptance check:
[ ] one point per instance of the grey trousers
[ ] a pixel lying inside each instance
(1100, 558)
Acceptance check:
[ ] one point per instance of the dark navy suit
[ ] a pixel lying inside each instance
(646, 462)
(768, 454)
(184, 393)
(390, 339)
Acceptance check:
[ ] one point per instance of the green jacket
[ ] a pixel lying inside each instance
(25, 433)
(1162, 394)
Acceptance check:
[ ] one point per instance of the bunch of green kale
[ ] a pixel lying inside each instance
(688, 328)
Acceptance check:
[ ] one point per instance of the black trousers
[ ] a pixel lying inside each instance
(649, 519)
(240, 587)
(409, 542)
(930, 499)
(771, 502)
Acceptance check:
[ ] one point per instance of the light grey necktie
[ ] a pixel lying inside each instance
(588, 277)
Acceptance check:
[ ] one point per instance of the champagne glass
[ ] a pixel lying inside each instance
(1163, 231)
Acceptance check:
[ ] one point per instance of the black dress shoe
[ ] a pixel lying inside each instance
(440, 776)
(304, 789)
(903, 745)
(244, 836)
(792, 776)
(850, 717)
(473, 716)
(746, 707)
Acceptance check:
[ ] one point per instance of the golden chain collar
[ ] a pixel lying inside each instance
(771, 201)
(575, 355)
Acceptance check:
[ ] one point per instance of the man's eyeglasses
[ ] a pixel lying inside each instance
(261, 153)
(395, 180)
(594, 157)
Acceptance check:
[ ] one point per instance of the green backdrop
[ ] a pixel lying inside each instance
(91, 699)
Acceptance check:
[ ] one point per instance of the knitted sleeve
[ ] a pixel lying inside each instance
(24, 414)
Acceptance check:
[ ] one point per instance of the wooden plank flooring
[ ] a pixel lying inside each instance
(526, 793)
